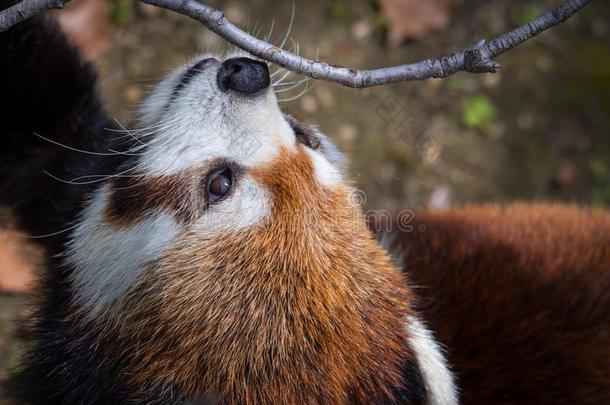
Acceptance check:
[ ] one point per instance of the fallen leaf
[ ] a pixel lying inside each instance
(87, 25)
(413, 19)
(16, 271)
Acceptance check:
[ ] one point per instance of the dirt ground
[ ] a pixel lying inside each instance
(538, 130)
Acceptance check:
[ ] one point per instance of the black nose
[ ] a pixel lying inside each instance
(244, 75)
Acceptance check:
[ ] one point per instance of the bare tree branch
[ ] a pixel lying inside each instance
(477, 58)
(26, 9)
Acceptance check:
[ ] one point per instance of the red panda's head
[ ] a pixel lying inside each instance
(225, 256)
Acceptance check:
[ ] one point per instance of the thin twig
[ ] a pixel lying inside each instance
(477, 58)
(26, 9)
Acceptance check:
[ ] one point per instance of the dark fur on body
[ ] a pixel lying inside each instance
(46, 88)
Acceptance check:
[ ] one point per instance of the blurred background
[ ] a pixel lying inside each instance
(539, 130)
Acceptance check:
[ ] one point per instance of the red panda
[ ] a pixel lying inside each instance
(212, 254)
(518, 295)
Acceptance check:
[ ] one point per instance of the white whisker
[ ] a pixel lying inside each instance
(279, 69)
(285, 75)
(292, 82)
(88, 152)
(100, 177)
(289, 26)
(126, 130)
(48, 235)
(268, 37)
(294, 86)
(307, 88)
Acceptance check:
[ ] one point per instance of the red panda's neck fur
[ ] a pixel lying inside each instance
(304, 307)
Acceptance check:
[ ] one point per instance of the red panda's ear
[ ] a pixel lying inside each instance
(310, 136)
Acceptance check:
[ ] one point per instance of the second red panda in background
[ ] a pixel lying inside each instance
(518, 295)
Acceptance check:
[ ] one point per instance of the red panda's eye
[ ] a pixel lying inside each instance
(219, 184)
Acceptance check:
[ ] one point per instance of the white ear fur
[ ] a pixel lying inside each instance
(332, 152)
(438, 379)
(325, 172)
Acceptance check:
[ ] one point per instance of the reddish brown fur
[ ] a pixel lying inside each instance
(303, 308)
(520, 296)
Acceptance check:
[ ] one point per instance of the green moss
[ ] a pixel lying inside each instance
(122, 12)
(381, 22)
(478, 112)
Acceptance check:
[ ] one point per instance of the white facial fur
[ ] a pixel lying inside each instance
(107, 260)
(204, 123)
